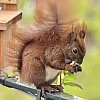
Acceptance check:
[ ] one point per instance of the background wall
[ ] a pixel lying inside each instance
(89, 10)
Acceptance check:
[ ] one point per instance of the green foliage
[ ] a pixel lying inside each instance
(68, 76)
(21, 3)
(10, 74)
(73, 85)
(68, 80)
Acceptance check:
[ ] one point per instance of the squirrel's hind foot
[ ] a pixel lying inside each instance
(52, 88)
(57, 87)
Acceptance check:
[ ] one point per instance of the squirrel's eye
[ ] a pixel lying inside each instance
(75, 50)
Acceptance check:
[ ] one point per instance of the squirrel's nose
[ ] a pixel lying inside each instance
(80, 61)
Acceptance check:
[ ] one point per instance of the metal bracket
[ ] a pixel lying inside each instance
(39, 95)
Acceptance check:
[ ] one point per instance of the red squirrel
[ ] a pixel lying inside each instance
(42, 52)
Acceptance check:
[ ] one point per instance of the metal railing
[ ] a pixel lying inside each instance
(11, 83)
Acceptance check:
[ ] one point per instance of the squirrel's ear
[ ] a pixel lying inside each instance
(83, 29)
(82, 34)
(71, 36)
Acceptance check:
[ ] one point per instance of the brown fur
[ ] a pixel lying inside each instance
(49, 44)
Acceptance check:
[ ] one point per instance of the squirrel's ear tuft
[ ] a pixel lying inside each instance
(71, 36)
(81, 29)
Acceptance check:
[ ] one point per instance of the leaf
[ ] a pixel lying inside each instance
(69, 77)
(10, 74)
(73, 85)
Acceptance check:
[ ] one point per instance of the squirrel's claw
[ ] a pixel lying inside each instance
(52, 88)
(77, 68)
(49, 89)
(58, 87)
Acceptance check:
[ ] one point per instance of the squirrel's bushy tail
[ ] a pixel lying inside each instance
(45, 18)
(16, 49)
(21, 39)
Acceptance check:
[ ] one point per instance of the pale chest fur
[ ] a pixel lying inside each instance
(51, 73)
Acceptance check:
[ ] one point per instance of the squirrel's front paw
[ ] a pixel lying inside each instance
(73, 67)
(76, 67)
(69, 67)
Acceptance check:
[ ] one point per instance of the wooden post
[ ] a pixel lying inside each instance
(9, 15)
(6, 37)
(0, 49)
